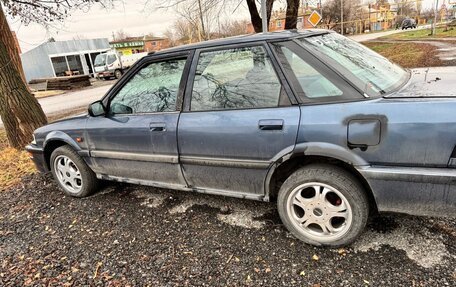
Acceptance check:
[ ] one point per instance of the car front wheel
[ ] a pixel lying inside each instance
(72, 174)
(323, 205)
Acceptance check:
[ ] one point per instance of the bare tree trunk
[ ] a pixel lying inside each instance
(202, 21)
(255, 17)
(19, 110)
(291, 18)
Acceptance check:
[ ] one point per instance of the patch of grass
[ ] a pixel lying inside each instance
(14, 164)
(422, 34)
(45, 94)
(407, 55)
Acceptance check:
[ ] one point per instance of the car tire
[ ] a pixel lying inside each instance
(73, 175)
(323, 205)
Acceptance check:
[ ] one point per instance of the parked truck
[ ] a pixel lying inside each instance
(112, 64)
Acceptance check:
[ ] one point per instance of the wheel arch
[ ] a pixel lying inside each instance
(307, 154)
(55, 140)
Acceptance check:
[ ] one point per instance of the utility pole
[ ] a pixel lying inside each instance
(341, 17)
(369, 16)
(264, 16)
(435, 16)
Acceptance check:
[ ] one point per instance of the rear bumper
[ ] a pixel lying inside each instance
(416, 191)
(105, 74)
(37, 156)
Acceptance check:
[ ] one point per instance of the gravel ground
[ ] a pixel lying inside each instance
(139, 236)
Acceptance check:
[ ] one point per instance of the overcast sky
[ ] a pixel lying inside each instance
(101, 23)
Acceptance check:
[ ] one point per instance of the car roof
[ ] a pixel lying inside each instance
(269, 36)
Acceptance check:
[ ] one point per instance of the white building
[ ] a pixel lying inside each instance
(62, 58)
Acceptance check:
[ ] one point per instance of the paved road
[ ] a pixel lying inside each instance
(372, 36)
(71, 101)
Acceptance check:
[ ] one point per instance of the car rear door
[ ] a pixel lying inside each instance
(136, 141)
(238, 115)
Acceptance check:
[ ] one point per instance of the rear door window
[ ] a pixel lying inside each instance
(237, 78)
(314, 84)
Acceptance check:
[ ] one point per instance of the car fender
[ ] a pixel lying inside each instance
(331, 151)
(61, 136)
(312, 149)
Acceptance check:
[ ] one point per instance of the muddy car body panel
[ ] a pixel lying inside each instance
(399, 143)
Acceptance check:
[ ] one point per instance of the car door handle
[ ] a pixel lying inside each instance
(270, 125)
(157, 127)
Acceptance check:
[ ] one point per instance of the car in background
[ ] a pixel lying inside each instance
(114, 64)
(330, 130)
(408, 23)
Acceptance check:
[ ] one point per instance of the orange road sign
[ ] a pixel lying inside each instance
(314, 18)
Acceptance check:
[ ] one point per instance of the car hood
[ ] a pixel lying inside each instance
(74, 122)
(438, 82)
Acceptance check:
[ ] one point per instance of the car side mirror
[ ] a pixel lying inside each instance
(97, 109)
(116, 109)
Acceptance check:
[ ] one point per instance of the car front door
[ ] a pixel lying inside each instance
(136, 141)
(237, 117)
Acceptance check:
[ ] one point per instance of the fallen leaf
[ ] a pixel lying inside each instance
(248, 278)
(267, 270)
(96, 269)
(302, 273)
(315, 257)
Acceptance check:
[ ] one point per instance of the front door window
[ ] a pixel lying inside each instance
(153, 89)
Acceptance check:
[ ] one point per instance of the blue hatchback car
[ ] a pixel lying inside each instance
(326, 127)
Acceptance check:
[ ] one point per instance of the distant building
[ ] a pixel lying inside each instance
(63, 58)
(379, 16)
(133, 45)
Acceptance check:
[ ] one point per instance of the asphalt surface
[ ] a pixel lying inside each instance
(139, 236)
(375, 35)
(71, 100)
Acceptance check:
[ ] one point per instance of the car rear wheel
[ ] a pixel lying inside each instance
(72, 174)
(323, 205)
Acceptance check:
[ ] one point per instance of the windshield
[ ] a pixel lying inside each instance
(372, 71)
(100, 60)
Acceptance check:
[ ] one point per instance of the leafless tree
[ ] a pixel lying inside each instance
(204, 11)
(331, 14)
(233, 28)
(120, 35)
(406, 8)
